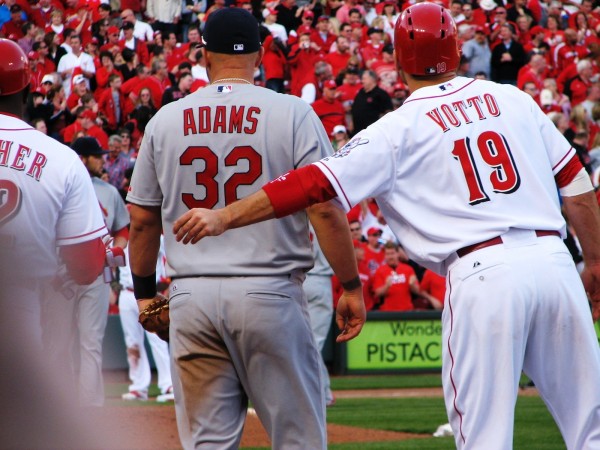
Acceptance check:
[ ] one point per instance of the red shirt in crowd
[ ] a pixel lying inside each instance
(398, 297)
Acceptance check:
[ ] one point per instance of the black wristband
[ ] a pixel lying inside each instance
(352, 284)
(144, 287)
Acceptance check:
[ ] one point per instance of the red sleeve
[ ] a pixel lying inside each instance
(567, 173)
(123, 232)
(298, 189)
(84, 261)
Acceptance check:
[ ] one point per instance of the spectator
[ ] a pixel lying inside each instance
(144, 100)
(577, 87)
(112, 103)
(76, 62)
(288, 15)
(116, 163)
(141, 30)
(277, 30)
(78, 90)
(29, 33)
(189, 15)
(178, 91)
(339, 137)
(394, 282)
(374, 255)
(307, 73)
(274, 63)
(131, 42)
(371, 50)
(339, 56)
(163, 15)
(328, 108)
(13, 29)
(507, 57)
(534, 72)
(399, 94)
(568, 52)
(321, 35)
(370, 103)
(385, 69)
(435, 286)
(559, 98)
(343, 13)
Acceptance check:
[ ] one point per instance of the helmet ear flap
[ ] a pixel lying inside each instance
(426, 40)
(14, 68)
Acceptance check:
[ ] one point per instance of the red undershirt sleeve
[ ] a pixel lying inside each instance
(298, 189)
(84, 261)
(568, 172)
(123, 232)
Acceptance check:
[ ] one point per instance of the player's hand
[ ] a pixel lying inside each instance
(198, 223)
(591, 281)
(350, 314)
(142, 303)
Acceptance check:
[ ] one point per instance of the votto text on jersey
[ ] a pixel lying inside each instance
(220, 119)
(454, 114)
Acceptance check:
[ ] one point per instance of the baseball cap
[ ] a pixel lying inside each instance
(269, 12)
(304, 29)
(400, 87)
(479, 29)
(308, 13)
(48, 78)
(112, 30)
(127, 25)
(16, 8)
(374, 231)
(33, 55)
(339, 129)
(330, 84)
(488, 5)
(87, 146)
(536, 30)
(88, 114)
(232, 31)
(78, 79)
(323, 18)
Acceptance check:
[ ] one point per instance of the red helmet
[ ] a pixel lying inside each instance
(14, 68)
(425, 40)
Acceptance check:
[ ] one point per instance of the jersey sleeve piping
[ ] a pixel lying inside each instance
(82, 237)
(563, 160)
(335, 182)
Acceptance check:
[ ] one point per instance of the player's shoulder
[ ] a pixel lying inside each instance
(101, 185)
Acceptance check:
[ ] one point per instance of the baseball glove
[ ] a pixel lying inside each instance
(155, 317)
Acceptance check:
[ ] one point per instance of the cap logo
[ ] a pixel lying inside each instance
(238, 47)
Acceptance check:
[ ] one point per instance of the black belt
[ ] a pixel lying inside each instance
(498, 240)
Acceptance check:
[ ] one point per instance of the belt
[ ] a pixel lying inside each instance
(498, 240)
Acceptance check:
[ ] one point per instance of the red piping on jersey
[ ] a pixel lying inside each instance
(462, 436)
(337, 181)
(562, 159)
(441, 95)
(82, 235)
(570, 170)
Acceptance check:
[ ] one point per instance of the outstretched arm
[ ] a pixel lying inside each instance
(332, 230)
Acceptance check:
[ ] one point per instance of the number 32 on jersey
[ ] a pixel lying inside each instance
(495, 153)
(239, 156)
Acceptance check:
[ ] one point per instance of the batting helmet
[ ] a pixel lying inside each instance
(425, 40)
(14, 68)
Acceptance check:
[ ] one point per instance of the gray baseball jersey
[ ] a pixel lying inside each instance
(113, 208)
(219, 145)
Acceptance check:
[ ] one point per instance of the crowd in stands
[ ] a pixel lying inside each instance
(103, 68)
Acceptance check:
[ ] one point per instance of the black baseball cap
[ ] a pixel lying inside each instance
(233, 31)
(127, 25)
(87, 146)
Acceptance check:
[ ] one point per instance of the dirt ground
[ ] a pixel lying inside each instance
(153, 427)
(149, 427)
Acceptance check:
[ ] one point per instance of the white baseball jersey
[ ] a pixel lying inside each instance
(219, 145)
(45, 200)
(486, 160)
